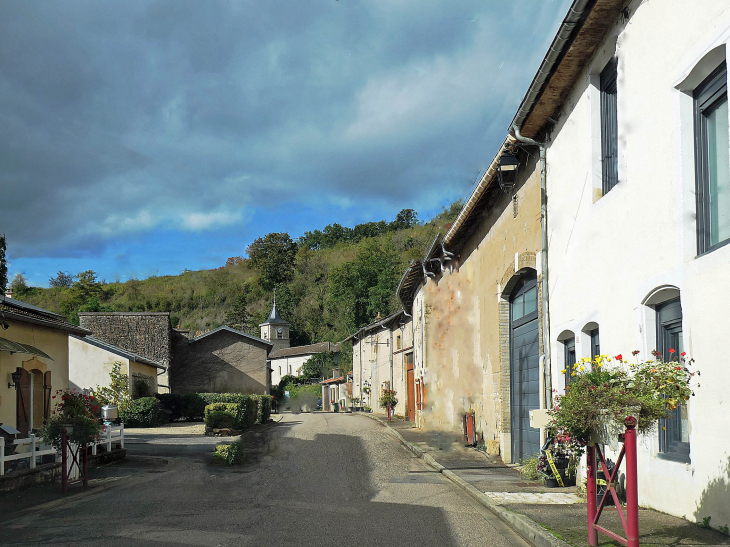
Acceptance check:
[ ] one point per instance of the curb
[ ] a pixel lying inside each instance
(523, 525)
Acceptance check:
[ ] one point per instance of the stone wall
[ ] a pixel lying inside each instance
(148, 334)
(145, 333)
(220, 362)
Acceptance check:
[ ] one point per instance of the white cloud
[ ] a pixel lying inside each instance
(205, 221)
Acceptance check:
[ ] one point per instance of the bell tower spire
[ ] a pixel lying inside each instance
(275, 330)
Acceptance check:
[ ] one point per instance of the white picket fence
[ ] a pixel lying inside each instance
(110, 435)
(33, 453)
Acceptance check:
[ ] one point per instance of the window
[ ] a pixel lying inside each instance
(397, 342)
(280, 333)
(609, 126)
(569, 351)
(712, 163)
(673, 431)
(595, 344)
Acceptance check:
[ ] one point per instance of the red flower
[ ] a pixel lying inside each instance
(683, 353)
(671, 350)
(619, 356)
(677, 368)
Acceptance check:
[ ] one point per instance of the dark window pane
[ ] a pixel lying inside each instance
(609, 126)
(569, 359)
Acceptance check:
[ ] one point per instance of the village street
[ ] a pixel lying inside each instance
(312, 479)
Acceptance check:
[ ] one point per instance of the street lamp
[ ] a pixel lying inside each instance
(16, 379)
(507, 171)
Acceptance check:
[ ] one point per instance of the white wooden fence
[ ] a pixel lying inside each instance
(33, 453)
(109, 435)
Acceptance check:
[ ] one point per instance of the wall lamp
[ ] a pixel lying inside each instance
(16, 380)
(507, 171)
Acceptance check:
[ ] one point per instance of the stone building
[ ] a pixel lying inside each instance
(224, 360)
(275, 330)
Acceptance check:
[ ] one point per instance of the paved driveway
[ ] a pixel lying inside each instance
(313, 479)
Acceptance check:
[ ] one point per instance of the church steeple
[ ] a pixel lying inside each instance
(275, 329)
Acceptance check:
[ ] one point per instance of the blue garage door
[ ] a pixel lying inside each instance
(524, 368)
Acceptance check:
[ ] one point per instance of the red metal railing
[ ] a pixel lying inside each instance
(630, 521)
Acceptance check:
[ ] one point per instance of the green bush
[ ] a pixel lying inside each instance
(144, 412)
(263, 410)
(250, 411)
(193, 407)
(223, 416)
(172, 405)
(229, 454)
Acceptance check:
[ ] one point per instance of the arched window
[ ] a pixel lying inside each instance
(567, 341)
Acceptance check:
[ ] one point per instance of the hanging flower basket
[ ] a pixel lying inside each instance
(604, 392)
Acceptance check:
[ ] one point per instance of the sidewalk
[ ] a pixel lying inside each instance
(547, 517)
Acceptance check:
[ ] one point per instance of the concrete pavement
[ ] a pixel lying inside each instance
(313, 479)
(547, 517)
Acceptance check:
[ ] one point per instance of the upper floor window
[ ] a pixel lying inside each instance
(609, 126)
(712, 165)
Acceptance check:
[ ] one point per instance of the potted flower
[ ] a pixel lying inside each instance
(600, 397)
(558, 460)
(75, 412)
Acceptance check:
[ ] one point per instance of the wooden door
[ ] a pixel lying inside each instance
(410, 389)
(22, 392)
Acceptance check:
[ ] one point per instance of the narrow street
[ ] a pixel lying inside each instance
(312, 479)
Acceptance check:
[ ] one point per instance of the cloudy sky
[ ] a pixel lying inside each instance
(142, 138)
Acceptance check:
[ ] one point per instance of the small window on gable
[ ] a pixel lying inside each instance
(712, 161)
(397, 342)
(609, 126)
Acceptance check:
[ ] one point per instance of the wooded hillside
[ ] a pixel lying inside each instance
(328, 284)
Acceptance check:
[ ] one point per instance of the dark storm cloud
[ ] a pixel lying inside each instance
(125, 117)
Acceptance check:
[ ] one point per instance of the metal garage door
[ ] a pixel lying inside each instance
(524, 369)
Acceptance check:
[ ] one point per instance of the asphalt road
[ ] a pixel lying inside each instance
(313, 479)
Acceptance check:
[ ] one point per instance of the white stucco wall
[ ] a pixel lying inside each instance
(287, 365)
(609, 253)
(89, 366)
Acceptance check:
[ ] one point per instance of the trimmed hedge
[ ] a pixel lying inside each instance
(191, 406)
(229, 454)
(263, 410)
(224, 416)
(143, 412)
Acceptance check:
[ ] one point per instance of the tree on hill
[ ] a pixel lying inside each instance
(407, 218)
(274, 256)
(62, 280)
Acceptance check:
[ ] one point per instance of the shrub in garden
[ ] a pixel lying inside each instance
(172, 405)
(193, 407)
(263, 404)
(76, 412)
(224, 416)
(250, 412)
(229, 454)
(144, 412)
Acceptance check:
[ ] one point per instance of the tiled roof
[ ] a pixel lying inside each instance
(322, 347)
(231, 330)
(27, 313)
(339, 380)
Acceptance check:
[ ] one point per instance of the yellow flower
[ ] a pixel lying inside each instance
(573, 373)
(563, 371)
(582, 368)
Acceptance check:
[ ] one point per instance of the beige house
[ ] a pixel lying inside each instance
(475, 303)
(382, 353)
(91, 361)
(35, 346)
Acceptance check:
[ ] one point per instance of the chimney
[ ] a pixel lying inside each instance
(8, 293)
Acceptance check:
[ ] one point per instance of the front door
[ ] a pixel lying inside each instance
(524, 368)
(22, 407)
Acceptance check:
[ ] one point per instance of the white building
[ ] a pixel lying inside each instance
(91, 360)
(635, 115)
(290, 360)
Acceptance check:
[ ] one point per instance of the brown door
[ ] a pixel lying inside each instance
(46, 395)
(326, 399)
(410, 389)
(22, 393)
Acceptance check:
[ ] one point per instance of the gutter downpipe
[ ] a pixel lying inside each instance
(543, 264)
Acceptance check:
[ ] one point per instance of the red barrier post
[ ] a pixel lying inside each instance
(591, 494)
(632, 486)
(64, 470)
(388, 412)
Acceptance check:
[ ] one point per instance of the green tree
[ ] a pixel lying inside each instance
(274, 256)
(19, 285)
(62, 280)
(86, 286)
(237, 315)
(407, 218)
(321, 364)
